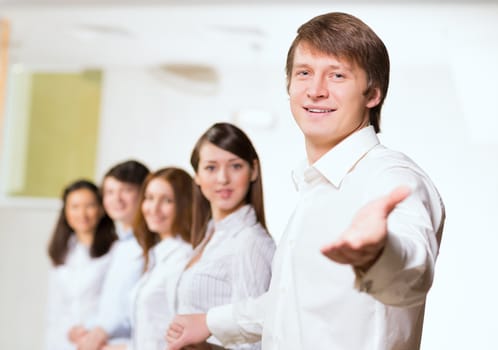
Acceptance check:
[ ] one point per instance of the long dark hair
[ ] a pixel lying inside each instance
(104, 235)
(232, 139)
(182, 184)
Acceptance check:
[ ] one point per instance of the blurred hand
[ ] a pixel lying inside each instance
(76, 333)
(188, 330)
(362, 243)
(93, 340)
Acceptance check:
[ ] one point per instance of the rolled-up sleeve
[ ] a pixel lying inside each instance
(238, 323)
(404, 272)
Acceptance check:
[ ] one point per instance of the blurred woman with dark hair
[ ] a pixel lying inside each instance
(78, 250)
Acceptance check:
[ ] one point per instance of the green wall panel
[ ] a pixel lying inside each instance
(62, 133)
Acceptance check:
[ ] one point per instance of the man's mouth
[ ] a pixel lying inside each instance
(319, 110)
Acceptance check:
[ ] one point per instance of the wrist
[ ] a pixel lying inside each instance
(366, 266)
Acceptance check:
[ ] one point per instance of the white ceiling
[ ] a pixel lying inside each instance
(100, 36)
(222, 2)
(93, 36)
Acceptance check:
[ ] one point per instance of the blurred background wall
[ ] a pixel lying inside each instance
(167, 72)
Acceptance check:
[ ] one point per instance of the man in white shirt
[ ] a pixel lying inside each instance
(356, 261)
(121, 193)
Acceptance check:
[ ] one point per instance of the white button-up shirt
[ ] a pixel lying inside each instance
(153, 298)
(125, 269)
(314, 303)
(74, 291)
(235, 265)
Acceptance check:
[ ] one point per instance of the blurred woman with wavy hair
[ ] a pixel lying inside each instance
(162, 228)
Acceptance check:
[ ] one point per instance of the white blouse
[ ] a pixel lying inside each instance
(74, 291)
(153, 297)
(125, 269)
(235, 265)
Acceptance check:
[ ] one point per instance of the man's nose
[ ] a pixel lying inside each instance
(318, 88)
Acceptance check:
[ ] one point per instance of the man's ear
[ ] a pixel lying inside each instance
(255, 170)
(374, 98)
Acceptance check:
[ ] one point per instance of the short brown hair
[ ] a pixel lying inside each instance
(130, 171)
(346, 36)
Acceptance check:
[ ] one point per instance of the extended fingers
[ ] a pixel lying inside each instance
(352, 249)
(347, 254)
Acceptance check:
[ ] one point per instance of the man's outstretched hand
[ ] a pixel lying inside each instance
(362, 243)
(187, 330)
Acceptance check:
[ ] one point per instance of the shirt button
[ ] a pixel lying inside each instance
(292, 243)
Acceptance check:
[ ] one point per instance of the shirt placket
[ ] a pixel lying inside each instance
(283, 298)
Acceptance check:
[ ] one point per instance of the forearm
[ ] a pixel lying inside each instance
(403, 273)
(239, 323)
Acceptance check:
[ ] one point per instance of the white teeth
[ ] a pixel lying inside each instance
(314, 110)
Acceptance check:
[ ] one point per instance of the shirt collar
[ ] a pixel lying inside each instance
(123, 234)
(338, 162)
(73, 242)
(298, 173)
(166, 246)
(242, 217)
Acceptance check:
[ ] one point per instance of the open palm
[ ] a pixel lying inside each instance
(362, 242)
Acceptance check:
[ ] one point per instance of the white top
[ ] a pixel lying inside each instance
(314, 303)
(74, 289)
(235, 265)
(153, 298)
(125, 269)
